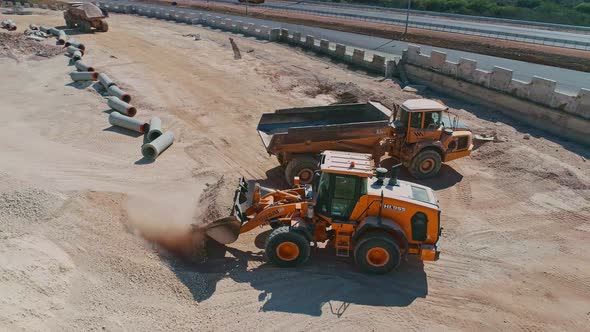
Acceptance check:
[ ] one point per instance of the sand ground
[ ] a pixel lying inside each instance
(74, 191)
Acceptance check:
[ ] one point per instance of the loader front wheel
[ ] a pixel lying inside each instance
(377, 254)
(286, 248)
(302, 166)
(425, 164)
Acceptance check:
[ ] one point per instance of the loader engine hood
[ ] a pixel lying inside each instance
(402, 190)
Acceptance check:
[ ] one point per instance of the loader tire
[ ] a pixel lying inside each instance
(286, 248)
(377, 253)
(302, 166)
(425, 164)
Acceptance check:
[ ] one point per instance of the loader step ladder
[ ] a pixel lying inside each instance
(343, 237)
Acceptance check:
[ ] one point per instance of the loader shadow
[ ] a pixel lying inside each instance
(322, 284)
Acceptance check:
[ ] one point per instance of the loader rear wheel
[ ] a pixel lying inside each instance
(425, 164)
(302, 166)
(286, 248)
(377, 254)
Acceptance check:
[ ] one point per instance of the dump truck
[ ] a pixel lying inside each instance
(86, 16)
(354, 208)
(413, 133)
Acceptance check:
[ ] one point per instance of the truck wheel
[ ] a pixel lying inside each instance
(85, 26)
(104, 26)
(425, 164)
(377, 253)
(302, 166)
(286, 248)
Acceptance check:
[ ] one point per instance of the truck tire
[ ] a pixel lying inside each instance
(85, 26)
(286, 248)
(377, 253)
(425, 164)
(302, 166)
(104, 26)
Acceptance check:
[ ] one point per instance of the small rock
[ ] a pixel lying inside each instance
(415, 88)
(527, 136)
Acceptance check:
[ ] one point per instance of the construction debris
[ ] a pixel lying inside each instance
(235, 48)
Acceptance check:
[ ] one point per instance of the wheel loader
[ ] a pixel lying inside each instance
(419, 137)
(356, 209)
(85, 16)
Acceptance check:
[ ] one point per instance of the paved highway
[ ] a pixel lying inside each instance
(569, 81)
(491, 27)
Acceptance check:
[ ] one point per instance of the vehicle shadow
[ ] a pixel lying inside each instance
(446, 178)
(325, 282)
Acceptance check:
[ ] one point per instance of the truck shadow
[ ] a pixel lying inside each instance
(323, 284)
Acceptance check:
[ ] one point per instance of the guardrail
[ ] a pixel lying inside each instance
(449, 15)
(580, 45)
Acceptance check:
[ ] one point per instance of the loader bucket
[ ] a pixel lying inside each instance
(226, 230)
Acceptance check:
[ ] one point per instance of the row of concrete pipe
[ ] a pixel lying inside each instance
(155, 141)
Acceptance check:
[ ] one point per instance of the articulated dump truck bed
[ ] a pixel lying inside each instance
(355, 127)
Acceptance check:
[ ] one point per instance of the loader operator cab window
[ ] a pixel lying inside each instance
(432, 120)
(338, 194)
(416, 120)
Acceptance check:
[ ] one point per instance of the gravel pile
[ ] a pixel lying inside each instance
(30, 204)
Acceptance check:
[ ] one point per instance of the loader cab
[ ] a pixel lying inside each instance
(341, 182)
(422, 119)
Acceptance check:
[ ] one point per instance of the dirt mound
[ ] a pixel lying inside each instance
(16, 46)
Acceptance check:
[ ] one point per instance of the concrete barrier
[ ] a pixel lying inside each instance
(120, 120)
(154, 148)
(83, 76)
(535, 102)
(155, 129)
(121, 106)
(115, 91)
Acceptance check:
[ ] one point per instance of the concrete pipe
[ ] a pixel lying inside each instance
(81, 66)
(72, 49)
(155, 129)
(33, 27)
(105, 80)
(120, 120)
(44, 29)
(77, 56)
(115, 91)
(154, 148)
(53, 31)
(8, 25)
(121, 106)
(62, 38)
(75, 43)
(84, 76)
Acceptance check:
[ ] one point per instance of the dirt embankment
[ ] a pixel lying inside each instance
(541, 54)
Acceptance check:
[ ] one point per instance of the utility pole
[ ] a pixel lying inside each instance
(407, 17)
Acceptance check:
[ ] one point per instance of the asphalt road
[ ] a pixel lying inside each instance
(491, 27)
(569, 81)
